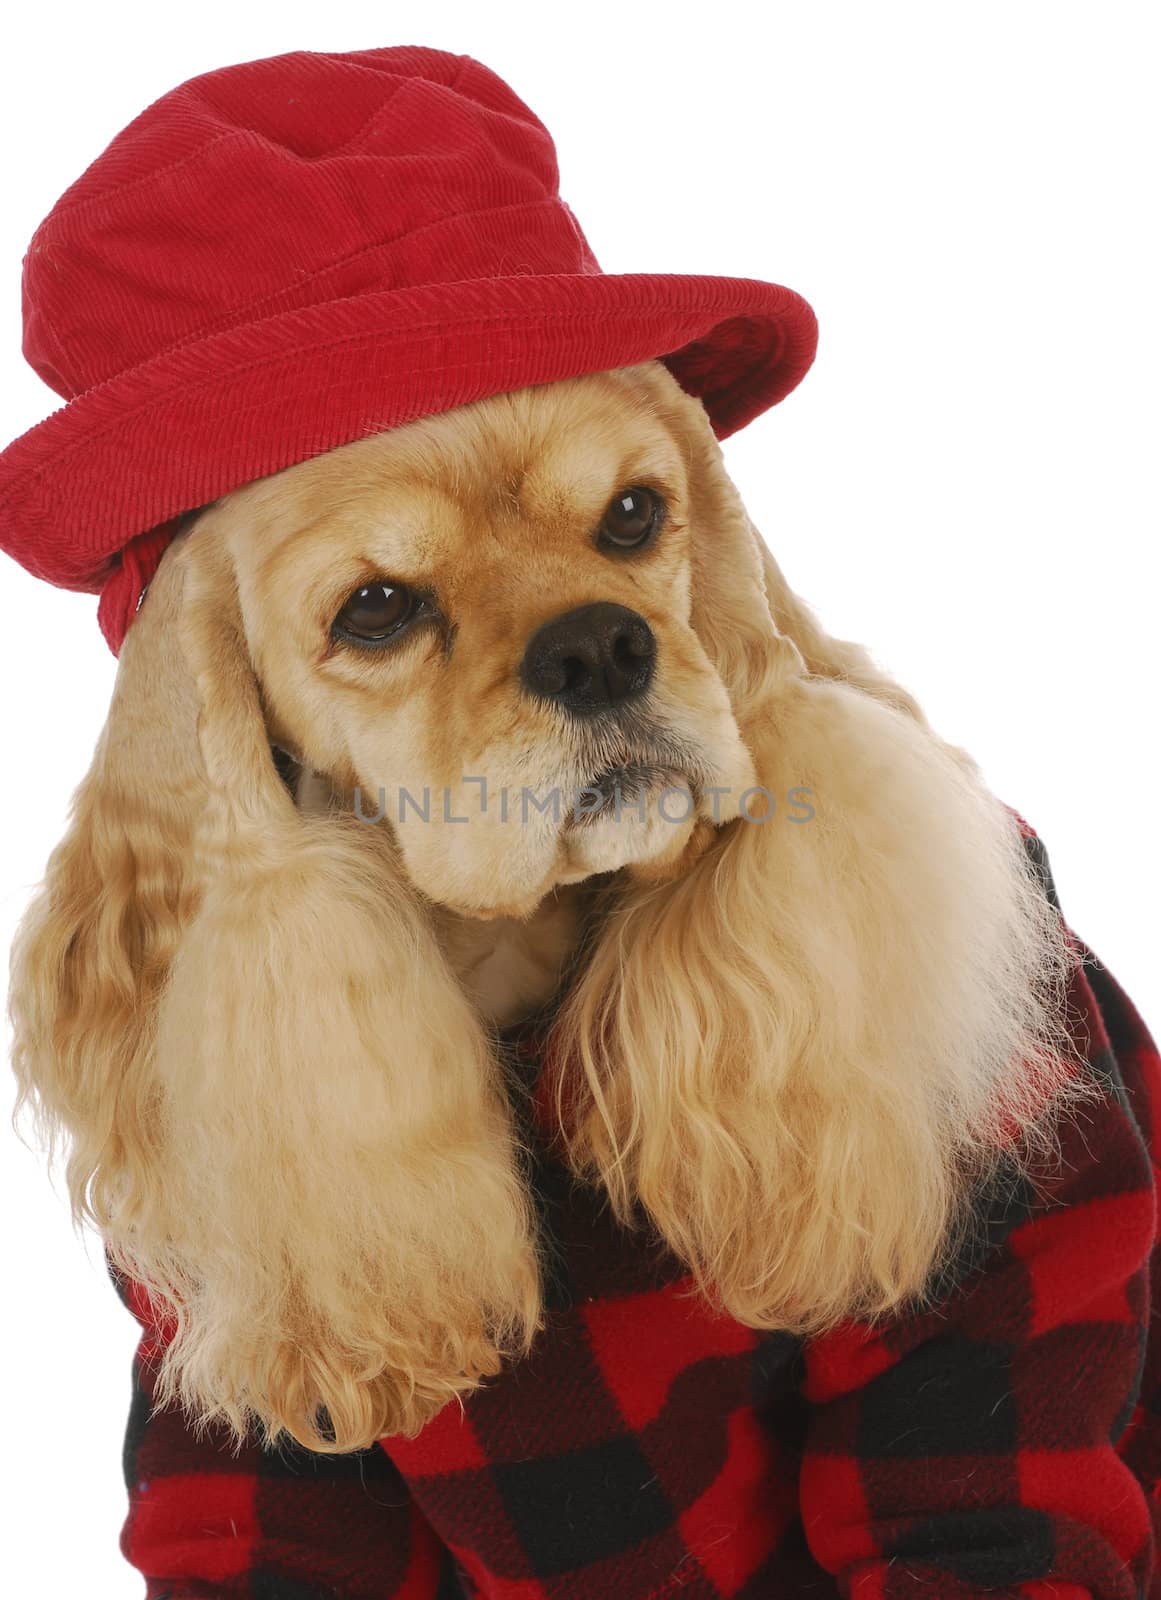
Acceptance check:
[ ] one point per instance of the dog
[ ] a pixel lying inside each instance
(510, 712)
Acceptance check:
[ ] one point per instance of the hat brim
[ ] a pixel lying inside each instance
(177, 432)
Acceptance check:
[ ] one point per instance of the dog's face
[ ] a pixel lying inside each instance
(479, 626)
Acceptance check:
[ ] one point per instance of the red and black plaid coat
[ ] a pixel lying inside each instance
(1008, 1440)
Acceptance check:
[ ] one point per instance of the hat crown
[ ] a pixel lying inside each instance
(275, 184)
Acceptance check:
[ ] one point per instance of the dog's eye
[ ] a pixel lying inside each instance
(632, 517)
(376, 611)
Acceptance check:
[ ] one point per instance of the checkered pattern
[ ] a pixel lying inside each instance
(1007, 1441)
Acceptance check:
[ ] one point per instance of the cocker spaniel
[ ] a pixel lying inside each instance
(505, 704)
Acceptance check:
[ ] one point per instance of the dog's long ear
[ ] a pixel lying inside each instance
(283, 1115)
(799, 1054)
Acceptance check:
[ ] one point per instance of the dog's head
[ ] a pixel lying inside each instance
(487, 628)
(539, 638)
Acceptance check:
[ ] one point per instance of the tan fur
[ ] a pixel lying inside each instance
(265, 1030)
(508, 966)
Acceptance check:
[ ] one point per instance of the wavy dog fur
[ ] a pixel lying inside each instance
(796, 1047)
(801, 1054)
(354, 1237)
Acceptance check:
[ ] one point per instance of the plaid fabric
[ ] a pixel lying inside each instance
(1008, 1441)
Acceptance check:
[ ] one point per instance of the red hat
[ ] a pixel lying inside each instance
(280, 257)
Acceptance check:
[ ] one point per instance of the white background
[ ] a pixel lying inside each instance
(966, 481)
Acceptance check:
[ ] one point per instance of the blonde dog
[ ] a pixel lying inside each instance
(265, 1022)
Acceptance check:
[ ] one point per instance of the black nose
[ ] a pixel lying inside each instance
(590, 659)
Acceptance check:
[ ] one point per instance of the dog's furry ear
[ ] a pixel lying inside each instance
(283, 1114)
(799, 1054)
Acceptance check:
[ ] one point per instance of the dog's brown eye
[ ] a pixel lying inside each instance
(633, 515)
(376, 611)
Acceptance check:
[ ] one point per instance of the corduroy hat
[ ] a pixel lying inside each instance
(283, 256)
